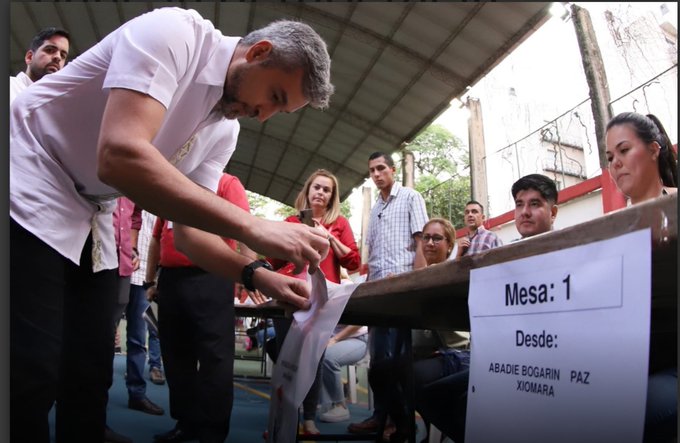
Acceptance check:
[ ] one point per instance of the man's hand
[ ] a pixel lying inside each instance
(297, 243)
(285, 289)
(463, 245)
(152, 294)
(255, 296)
(135, 260)
(323, 229)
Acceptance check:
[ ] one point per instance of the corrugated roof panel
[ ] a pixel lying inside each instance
(395, 67)
(313, 127)
(104, 19)
(379, 17)
(427, 27)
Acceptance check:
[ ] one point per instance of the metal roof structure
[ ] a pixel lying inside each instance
(396, 66)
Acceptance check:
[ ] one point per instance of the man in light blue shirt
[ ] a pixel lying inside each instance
(394, 234)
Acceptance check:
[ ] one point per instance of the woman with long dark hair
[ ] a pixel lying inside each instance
(644, 166)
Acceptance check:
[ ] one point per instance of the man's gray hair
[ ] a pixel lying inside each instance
(297, 45)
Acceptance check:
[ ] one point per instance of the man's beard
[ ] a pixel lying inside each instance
(229, 105)
(37, 72)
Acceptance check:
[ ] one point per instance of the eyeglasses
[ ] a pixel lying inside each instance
(435, 238)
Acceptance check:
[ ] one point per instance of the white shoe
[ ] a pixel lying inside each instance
(336, 414)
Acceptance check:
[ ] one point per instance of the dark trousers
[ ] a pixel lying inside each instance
(196, 327)
(386, 349)
(388, 382)
(444, 404)
(61, 342)
(441, 391)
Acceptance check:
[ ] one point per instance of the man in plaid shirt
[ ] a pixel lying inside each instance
(478, 238)
(393, 241)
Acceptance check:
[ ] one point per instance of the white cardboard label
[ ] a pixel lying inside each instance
(560, 345)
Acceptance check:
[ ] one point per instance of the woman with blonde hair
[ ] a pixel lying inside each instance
(320, 193)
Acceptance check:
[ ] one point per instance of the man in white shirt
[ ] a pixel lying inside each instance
(122, 119)
(47, 54)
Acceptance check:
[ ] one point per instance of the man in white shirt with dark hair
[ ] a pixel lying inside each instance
(47, 54)
(121, 119)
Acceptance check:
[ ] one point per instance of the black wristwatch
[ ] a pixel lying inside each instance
(249, 271)
(148, 284)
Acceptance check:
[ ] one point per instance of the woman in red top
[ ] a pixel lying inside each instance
(320, 194)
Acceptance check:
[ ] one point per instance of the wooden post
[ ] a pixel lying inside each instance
(478, 178)
(408, 166)
(596, 77)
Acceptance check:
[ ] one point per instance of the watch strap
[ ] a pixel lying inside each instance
(148, 284)
(249, 271)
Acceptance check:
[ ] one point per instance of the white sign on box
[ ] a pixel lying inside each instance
(560, 345)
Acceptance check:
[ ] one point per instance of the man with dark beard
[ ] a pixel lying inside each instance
(122, 119)
(47, 54)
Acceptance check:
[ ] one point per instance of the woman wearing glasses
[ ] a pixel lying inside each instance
(437, 353)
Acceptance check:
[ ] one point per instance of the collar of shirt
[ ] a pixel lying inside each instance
(479, 229)
(215, 71)
(393, 193)
(24, 78)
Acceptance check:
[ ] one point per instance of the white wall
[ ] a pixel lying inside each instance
(544, 79)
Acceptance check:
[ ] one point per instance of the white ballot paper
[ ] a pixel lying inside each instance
(560, 345)
(296, 364)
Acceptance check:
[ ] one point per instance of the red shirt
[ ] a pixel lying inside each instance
(229, 188)
(126, 217)
(330, 266)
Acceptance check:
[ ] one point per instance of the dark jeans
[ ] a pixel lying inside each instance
(155, 360)
(62, 331)
(136, 342)
(441, 386)
(661, 416)
(311, 400)
(385, 347)
(444, 404)
(389, 380)
(196, 326)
